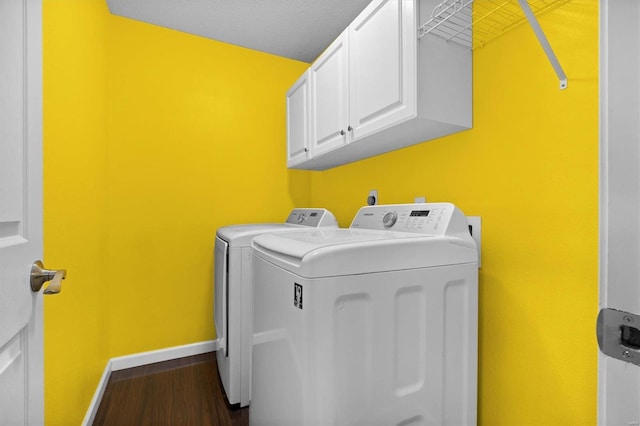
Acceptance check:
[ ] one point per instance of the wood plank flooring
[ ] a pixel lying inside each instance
(186, 391)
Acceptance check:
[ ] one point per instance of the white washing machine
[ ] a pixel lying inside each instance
(371, 325)
(234, 295)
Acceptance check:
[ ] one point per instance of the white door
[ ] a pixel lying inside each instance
(330, 97)
(21, 359)
(382, 68)
(619, 318)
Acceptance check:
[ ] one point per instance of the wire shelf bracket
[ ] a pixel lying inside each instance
(454, 21)
(542, 39)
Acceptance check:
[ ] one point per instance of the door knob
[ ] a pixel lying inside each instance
(40, 275)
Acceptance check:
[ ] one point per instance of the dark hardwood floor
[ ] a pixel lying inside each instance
(186, 391)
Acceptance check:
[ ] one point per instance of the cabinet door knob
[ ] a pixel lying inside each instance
(350, 128)
(306, 150)
(341, 132)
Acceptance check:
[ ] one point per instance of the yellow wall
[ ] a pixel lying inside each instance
(75, 204)
(529, 168)
(196, 142)
(155, 138)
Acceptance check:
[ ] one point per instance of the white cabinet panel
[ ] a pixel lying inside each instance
(330, 97)
(298, 126)
(382, 75)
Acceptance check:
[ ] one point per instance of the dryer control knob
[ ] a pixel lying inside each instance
(389, 219)
(302, 217)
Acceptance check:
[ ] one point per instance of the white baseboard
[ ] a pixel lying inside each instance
(97, 396)
(143, 358)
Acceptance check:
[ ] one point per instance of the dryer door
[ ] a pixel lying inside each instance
(221, 293)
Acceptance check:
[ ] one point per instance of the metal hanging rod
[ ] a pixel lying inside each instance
(473, 24)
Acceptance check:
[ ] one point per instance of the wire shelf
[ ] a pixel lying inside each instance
(473, 24)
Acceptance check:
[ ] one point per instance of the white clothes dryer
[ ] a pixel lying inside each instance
(234, 295)
(371, 325)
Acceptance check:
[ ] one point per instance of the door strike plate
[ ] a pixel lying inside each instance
(618, 335)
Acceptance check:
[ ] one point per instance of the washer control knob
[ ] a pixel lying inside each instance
(302, 217)
(389, 219)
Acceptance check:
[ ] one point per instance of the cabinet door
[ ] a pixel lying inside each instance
(382, 66)
(330, 97)
(298, 121)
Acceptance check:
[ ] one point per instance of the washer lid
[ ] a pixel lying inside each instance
(241, 235)
(334, 252)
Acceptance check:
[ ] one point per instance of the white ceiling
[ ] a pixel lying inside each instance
(296, 29)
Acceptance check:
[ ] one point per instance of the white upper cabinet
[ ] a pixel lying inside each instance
(298, 125)
(382, 78)
(330, 97)
(378, 88)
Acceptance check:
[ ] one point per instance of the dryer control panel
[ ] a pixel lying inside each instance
(312, 217)
(421, 218)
